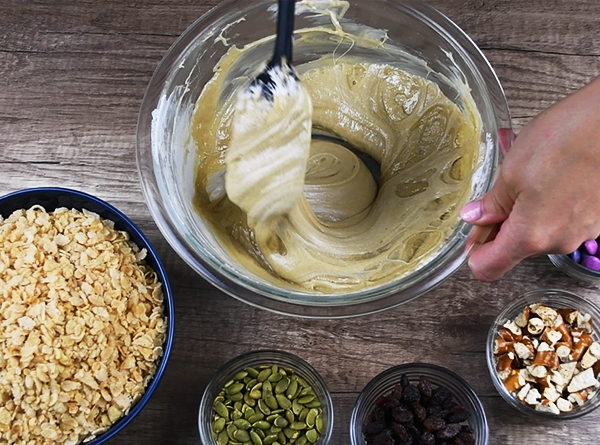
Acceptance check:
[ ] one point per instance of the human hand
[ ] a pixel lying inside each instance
(546, 198)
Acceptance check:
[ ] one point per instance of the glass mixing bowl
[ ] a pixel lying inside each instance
(166, 153)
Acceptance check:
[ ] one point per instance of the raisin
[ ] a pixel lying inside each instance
(428, 438)
(449, 404)
(458, 441)
(419, 411)
(381, 400)
(433, 424)
(434, 410)
(458, 414)
(448, 432)
(400, 432)
(414, 433)
(411, 394)
(385, 438)
(373, 428)
(404, 381)
(466, 435)
(424, 387)
(397, 392)
(439, 396)
(404, 416)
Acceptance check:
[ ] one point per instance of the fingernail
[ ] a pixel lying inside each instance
(505, 138)
(471, 212)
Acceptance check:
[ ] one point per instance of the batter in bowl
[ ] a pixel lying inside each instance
(346, 232)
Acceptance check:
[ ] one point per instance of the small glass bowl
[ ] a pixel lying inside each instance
(258, 358)
(566, 264)
(52, 198)
(383, 384)
(557, 299)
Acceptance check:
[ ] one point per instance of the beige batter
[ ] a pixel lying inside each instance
(344, 232)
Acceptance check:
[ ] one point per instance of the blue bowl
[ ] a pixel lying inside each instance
(52, 198)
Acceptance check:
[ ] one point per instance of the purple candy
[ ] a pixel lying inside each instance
(591, 262)
(591, 246)
(576, 256)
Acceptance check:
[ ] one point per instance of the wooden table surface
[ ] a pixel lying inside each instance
(72, 77)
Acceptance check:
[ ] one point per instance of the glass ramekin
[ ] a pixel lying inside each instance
(573, 269)
(383, 384)
(556, 299)
(255, 359)
(166, 152)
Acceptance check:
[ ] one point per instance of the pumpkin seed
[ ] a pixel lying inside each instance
(251, 372)
(223, 438)
(289, 416)
(290, 433)
(298, 426)
(302, 382)
(248, 412)
(282, 385)
(264, 374)
(249, 400)
(262, 425)
(256, 418)
(312, 436)
(320, 424)
(311, 417)
(281, 438)
(242, 424)
(280, 422)
(301, 440)
(231, 429)
(275, 377)
(219, 425)
(307, 392)
(314, 404)
(269, 439)
(221, 410)
(296, 407)
(271, 402)
(283, 401)
(242, 435)
(263, 407)
(255, 438)
(240, 375)
(306, 399)
(267, 387)
(237, 397)
(290, 392)
(303, 414)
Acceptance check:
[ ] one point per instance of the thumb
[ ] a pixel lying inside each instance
(492, 208)
(494, 258)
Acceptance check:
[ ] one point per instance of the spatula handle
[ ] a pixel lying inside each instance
(285, 30)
